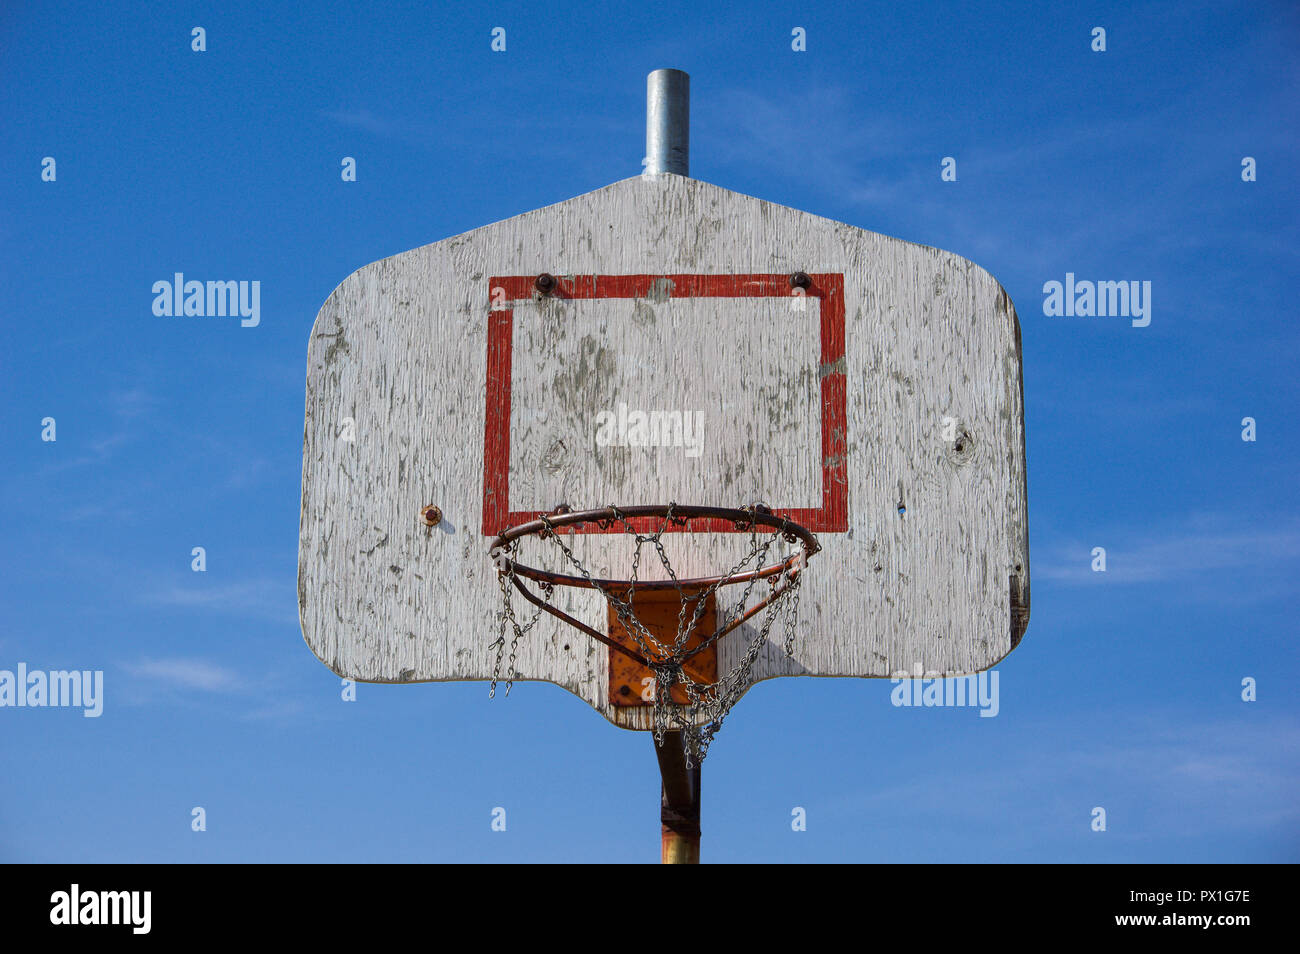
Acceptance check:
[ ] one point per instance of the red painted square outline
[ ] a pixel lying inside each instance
(830, 517)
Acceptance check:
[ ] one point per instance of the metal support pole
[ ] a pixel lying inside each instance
(668, 122)
(679, 803)
(668, 149)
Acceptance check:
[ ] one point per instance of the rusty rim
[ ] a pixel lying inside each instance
(680, 515)
(747, 519)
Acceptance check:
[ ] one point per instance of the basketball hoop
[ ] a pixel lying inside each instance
(689, 697)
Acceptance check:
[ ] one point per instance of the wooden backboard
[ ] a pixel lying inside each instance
(881, 407)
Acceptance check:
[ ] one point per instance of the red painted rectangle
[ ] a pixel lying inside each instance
(831, 517)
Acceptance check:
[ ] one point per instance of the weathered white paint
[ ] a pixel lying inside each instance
(400, 346)
(760, 414)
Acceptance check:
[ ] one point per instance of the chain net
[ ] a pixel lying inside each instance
(708, 703)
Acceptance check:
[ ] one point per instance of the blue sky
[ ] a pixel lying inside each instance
(1126, 692)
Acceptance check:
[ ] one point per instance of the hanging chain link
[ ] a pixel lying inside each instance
(506, 617)
(708, 703)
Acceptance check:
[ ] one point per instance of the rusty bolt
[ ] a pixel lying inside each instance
(545, 283)
(431, 515)
(800, 280)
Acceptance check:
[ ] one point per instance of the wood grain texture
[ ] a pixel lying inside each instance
(401, 348)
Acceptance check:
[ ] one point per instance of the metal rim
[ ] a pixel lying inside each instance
(753, 517)
(606, 515)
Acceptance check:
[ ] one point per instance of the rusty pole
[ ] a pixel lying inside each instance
(679, 804)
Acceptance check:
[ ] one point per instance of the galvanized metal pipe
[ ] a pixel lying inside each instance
(668, 122)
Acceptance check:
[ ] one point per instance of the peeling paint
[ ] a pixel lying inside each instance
(417, 374)
(839, 366)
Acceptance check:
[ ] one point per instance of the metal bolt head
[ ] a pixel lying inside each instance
(800, 280)
(545, 283)
(431, 516)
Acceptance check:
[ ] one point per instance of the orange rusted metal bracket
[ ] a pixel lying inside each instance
(631, 681)
(679, 808)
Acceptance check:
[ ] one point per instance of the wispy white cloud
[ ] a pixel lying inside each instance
(833, 141)
(180, 673)
(189, 682)
(802, 134)
(248, 471)
(367, 121)
(131, 403)
(1234, 764)
(1238, 774)
(266, 598)
(528, 131)
(1172, 555)
(94, 511)
(124, 406)
(275, 711)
